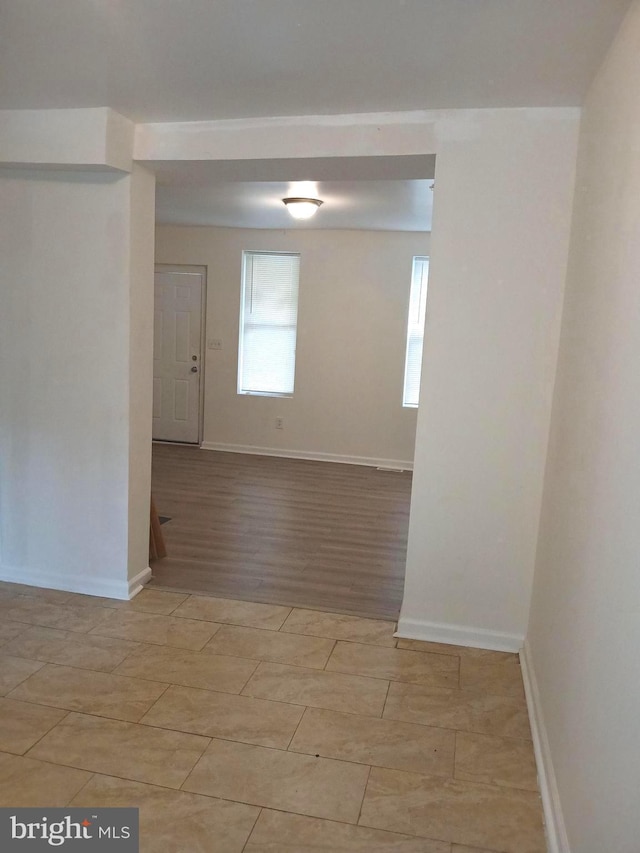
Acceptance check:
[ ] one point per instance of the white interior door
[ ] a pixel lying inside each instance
(177, 357)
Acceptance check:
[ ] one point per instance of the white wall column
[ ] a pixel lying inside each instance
(76, 286)
(499, 248)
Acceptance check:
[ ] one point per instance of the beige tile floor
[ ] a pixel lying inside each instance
(236, 727)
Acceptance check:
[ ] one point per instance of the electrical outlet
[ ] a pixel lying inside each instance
(279, 423)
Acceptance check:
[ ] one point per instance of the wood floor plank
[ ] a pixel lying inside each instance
(282, 531)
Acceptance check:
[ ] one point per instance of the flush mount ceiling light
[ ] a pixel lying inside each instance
(302, 208)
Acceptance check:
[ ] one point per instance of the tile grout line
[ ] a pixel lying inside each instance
(220, 737)
(326, 663)
(249, 677)
(248, 681)
(405, 836)
(234, 656)
(141, 646)
(137, 643)
(262, 660)
(384, 704)
(193, 767)
(153, 704)
(455, 754)
(46, 663)
(221, 622)
(90, 779)
(298, 724)
(364, 794)
(260, 810)
(286, 751)
(26, 678)
(112, 775)
(55, 726)
(98, 715)
(342, 640)
(291, 812)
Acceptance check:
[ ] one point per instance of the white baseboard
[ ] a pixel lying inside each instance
(87, 585)
(457, 635)
(137, 582)
(371, 462)
(557, 839)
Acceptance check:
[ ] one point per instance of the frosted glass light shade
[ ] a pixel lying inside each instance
(302, 208)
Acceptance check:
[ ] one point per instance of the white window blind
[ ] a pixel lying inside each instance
(415, 331)
(268, 317)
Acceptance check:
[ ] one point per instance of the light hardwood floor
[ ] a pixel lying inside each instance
(282, 531)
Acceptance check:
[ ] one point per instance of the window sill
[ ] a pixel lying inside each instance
(264, 394)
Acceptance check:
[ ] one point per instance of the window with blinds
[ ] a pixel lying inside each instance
(268, 318)
(415, 331)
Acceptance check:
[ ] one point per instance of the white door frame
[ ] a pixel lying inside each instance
(202, 270)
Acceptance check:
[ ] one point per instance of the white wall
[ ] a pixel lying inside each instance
(584, 633)
(352, 314)
(65, 372)
(498, 262)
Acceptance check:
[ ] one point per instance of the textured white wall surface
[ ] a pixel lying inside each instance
(584, 632)
(68, 270)
(499, 245)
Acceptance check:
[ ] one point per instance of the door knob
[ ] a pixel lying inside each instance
(194, 369)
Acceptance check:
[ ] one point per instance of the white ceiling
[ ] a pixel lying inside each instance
(164, 60)
(376, 193)
(374, 205)
(171, 60)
